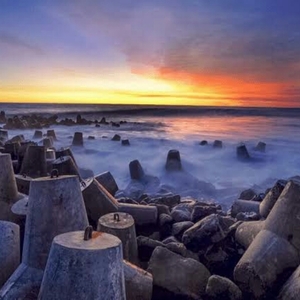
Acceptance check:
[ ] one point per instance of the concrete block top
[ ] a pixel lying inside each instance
(117, 220)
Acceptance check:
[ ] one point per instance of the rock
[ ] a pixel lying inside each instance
(177, 276)
(91, 137)
(242, 152)
(200, 212)
(173, 162)
(146, 246)
(116, 137)
(210, 230)
(203, 143)
(247, 194)
(179, 228)
(170, 239)
(261, 147)
(247, 216)
(170, 201)
(161, 209)
(2, 117)
(218, 144)
(165, 225)
(181, 215)
(219, 287)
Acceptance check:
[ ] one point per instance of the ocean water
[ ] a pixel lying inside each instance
(160, 129)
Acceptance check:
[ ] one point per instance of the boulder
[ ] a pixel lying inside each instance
(248, 194)
(176, 276)
(146, 246)
(199, 212)
(179, 228)
(181, 215)
(219, 287)
(203, 143)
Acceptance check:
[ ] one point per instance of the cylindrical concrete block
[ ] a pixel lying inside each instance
(291, 289)
(23, 183)
(51, 133)
(173, 162)
(138, 283)
(50, 154)
(78, 139)
(284, 217)
(98, 202)
(34, 163)
(242, 152)
(136, 170)
(9, 250)
(244, 206)
(265, 261)
(122, 226)
(55, 206)
(142, 214)
(84, 269)
(47, 142)
(66, 166)
(108, 182)
(65, 151)
(270, 199)
(38, 134)
(247, 231)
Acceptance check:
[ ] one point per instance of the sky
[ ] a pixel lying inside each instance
(164, 52)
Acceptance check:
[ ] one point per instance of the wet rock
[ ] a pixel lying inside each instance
(170, 239)
(188, 277)
(146, 246)
(208, 231)
(219, 287)
(91, 137)
(200, 212)
(179, 228)
(248, 194)
(181, 215)
(165, 225)
(170, 201)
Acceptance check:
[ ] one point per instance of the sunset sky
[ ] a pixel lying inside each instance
(183, 52)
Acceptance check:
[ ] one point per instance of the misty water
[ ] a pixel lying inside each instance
(153, 136)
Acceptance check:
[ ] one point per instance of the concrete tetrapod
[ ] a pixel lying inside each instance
(291, 289)
(121, 225)
(247, 231)
(55, 206)
(265, 263)
(108, 182)
(8, 193)
(9, 250)
(84, 265)
(244, 206)
(138, 282)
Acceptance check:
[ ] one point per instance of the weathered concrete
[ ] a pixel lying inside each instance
(51, 133)
(77, 139)
(4, 135)
(136, 170)
(178, 275)
(270, 199)
(50, 154)
(244, 206)
(62, 199)
(242, 152)
(8, 192)
(218, 144)
(24, 284)
(284, 217)
(247, 231)
(261, 147)
(98, 202)
(121, 225)
(291, 289)
(66, 166)
(138, 282)
(9, 250)
(65, 151)
(23, 183)
(108, 182)
(173, 162)
(47, 142)
(84, 269)
(266, 261)
(142, 214)
(34, 163)
(38, 134)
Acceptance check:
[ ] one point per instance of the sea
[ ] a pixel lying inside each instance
(154, 130)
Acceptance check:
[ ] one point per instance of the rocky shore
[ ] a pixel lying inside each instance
(181, 248)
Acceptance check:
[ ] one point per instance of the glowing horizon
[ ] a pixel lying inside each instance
(151, 53)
